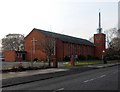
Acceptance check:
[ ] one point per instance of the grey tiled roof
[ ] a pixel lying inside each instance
(66, 38)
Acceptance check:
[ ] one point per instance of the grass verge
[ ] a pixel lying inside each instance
(83, 63)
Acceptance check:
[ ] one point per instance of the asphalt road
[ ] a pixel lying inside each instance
(98, 79)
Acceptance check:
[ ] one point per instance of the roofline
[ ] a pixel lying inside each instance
(92, 44)
(60, 34)
(29, 34)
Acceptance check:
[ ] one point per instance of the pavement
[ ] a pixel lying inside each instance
(16, 78)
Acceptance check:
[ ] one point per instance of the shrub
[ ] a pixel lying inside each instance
(35, 59)
(20, 67)
(66, 58)
(81, 57)
(89, 57)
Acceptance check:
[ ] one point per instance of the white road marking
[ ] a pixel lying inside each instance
(95, 78)
(89, 80)
(86, 81)
(61, 89)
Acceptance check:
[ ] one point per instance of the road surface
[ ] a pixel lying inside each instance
(98, 79)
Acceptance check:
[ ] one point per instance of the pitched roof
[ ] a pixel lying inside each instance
(66, 38)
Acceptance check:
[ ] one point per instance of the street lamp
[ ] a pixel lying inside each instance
(103, 54)
(104, 58)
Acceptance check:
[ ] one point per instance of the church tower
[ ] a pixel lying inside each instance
(99, 40)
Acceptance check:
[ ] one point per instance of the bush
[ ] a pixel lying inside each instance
(35, 59)
(89, 57)
(113, 57)
(81, 57)
(20, 67)
(66, 58)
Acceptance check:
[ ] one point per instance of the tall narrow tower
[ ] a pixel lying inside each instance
(99, 26)
(99, 40)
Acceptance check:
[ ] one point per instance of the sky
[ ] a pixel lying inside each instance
(119, 15)
(78, 18)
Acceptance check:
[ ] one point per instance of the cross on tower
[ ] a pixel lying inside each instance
(33, 44)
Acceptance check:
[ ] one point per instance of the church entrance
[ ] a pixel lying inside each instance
(21, 55)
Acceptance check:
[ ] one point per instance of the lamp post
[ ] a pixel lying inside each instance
(103, 54)
(103, 57)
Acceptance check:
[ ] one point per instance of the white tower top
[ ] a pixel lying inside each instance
(99, 26)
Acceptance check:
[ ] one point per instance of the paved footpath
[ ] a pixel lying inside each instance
(15, 78)
(44, 71)
(30, 72)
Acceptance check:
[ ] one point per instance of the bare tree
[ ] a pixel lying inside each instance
(47, 46)
(13, 42)
(113, 43)
(110, 34)
(118, 33)
(113, 52)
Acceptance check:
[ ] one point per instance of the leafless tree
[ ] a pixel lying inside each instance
(13, 42)
(118, 33)
(110, 34)
(47, 46)
(113, 43)
(113, 52)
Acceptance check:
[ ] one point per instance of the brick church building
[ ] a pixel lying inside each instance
(64, 45)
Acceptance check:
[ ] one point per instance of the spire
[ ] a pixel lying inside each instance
(99, 27)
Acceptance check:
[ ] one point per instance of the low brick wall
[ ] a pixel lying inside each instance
(9, 65)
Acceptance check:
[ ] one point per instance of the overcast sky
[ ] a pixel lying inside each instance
(119, 15)
(77, 18)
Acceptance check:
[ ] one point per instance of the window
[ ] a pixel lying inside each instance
(69, 49)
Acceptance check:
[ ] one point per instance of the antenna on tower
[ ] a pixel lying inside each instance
(99, 9)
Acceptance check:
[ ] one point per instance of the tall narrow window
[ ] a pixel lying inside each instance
(69, 50)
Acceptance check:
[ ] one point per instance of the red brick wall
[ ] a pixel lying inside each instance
(62, 50)
(59, 49)
(9, 55)
(29, 45)
(99, 41)
(65, 49)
